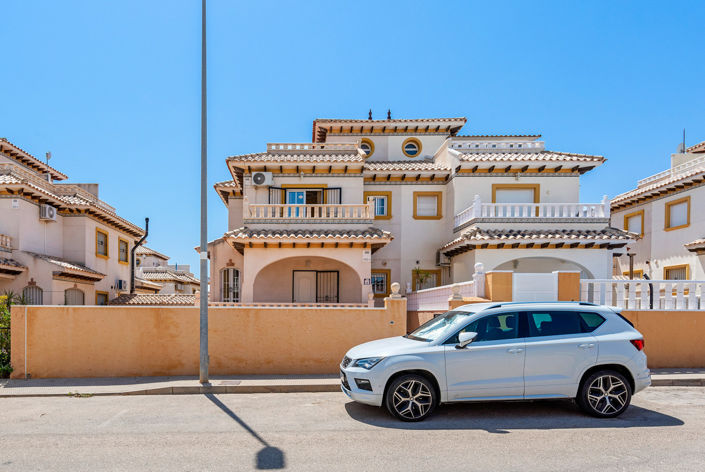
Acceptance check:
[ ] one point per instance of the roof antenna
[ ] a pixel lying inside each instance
(48, 154)
(369, 115)
(389, 114)
(683, 140)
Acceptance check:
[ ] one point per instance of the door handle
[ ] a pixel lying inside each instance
(586, 346)
(515, 350)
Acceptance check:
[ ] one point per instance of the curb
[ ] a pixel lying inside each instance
(678, 382)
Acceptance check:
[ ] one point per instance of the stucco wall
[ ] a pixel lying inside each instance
(673, 339)
(117, 341)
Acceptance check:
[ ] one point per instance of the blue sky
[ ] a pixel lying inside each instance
(112, 89)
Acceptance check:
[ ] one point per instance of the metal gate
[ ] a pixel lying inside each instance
(535, 287)
(327, 287)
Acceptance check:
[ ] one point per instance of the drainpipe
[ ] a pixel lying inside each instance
(132, 255)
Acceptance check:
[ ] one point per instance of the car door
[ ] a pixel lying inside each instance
(558, 351)
(492, 366)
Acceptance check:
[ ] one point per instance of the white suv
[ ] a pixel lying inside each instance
(503, 351)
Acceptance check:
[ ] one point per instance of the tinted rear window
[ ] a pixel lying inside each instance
(556, 323)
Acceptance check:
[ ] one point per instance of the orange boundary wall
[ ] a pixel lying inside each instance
(116, 341)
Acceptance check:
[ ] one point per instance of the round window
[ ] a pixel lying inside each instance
(367, 146)
(411, 147)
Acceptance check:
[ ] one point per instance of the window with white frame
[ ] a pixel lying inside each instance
(678, 213)
(74, 296)
(426, 205)
(635, 223)
(230, 285)
(380, 205)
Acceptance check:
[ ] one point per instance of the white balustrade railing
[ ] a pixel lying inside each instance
(673, 171)
(532, 210)
(641, 294)
(436, 298)
(278, 212)
(5, 242)
(292, 147)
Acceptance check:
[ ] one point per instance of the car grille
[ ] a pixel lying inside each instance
(346, 361)
(344, 380)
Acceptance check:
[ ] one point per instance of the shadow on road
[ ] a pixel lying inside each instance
(499, 418)
(269, 457)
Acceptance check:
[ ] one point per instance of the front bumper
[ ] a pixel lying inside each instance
(351, 389)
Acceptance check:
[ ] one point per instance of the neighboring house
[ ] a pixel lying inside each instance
(154, 299)
(153, 267)
(59, 243)
(369, 202)
(668, 211)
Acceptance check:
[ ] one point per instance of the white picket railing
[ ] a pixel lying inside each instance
(279, 211)
(674, 171)
(478, 209)
(436, 298)
(637, 294)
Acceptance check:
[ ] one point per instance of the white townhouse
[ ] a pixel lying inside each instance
(667, 210)
(153, 268)
(369, 202)
(59, 243)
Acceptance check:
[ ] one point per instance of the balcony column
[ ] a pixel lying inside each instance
(476, 206)
(606, 206)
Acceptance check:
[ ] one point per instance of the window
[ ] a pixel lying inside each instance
(491, 328)
(638, 273)
(101, 243)
(422, 279)
(515, 193)
(380, 282)
(33, 295)
(428, 205)
(437, 327)
(123, 256)
(367, 146)
(382, 205)
(230, 285)
(557, 323)
(678, 272)
(73, 296)
(411, 147)
(634, 222)
(101, 298)
(678, 214)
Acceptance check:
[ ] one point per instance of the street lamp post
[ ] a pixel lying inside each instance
(203, 357)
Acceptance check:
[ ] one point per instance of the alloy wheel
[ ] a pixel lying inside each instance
(412, 399)
(607, 394)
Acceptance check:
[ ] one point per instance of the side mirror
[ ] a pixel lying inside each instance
(464, 339)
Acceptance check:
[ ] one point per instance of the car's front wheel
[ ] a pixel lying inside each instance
(411, 397)
(605, 394)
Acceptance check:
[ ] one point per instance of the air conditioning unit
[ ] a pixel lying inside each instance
(121, 284)
(442, 260)
(260, 179)
(47, 212)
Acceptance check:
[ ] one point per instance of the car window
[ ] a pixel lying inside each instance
(591, 321)
(556, 323)
(491, 328)
(438, 326)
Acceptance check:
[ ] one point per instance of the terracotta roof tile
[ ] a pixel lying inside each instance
(300, 157)
(9, 262)
(33, 162)
(377, 166)
(145, 251)
(166, 274)
(64, 264)
(158, 299)
(696, 175)
(700, 147)
(698, 244)
(284, 233)
(527, 156)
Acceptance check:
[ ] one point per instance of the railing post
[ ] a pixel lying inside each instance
(246, 206)
(476, 206)
(479, 280)
(371, 208)
(605, 206)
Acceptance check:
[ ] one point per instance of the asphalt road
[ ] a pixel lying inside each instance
(663, 430)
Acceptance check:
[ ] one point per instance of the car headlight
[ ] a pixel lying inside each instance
(367, 362)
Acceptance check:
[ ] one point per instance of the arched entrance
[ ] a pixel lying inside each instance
(543, 265)
(307, 279)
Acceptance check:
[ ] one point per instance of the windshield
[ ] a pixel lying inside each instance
(438, 326)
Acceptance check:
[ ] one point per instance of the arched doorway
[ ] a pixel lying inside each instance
(305, 279)
(540, 265)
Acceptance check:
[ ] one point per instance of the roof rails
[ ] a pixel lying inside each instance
(498, 305)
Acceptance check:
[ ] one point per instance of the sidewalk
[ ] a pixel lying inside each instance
(239, 384)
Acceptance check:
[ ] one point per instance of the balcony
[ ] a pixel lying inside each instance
(692, 165)
(311, 213)
(568, 212)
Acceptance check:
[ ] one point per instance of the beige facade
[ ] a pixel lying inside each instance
(59, 243)
(153, 267)
(667, 210)
(401, 200)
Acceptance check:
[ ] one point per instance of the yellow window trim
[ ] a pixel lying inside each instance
(304, 186)
(371, 144)
(411, 140)
(388, 216)
(107, 244)
(667, 225)
(439, 205)
(630, 215)
(638, 273)
(536, 188)
(107, 296)
(677, 267)
(428, 271)
(388, 273)
(127, 243)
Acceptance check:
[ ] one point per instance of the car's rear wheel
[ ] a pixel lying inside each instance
(605, 394)
(411, 397)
